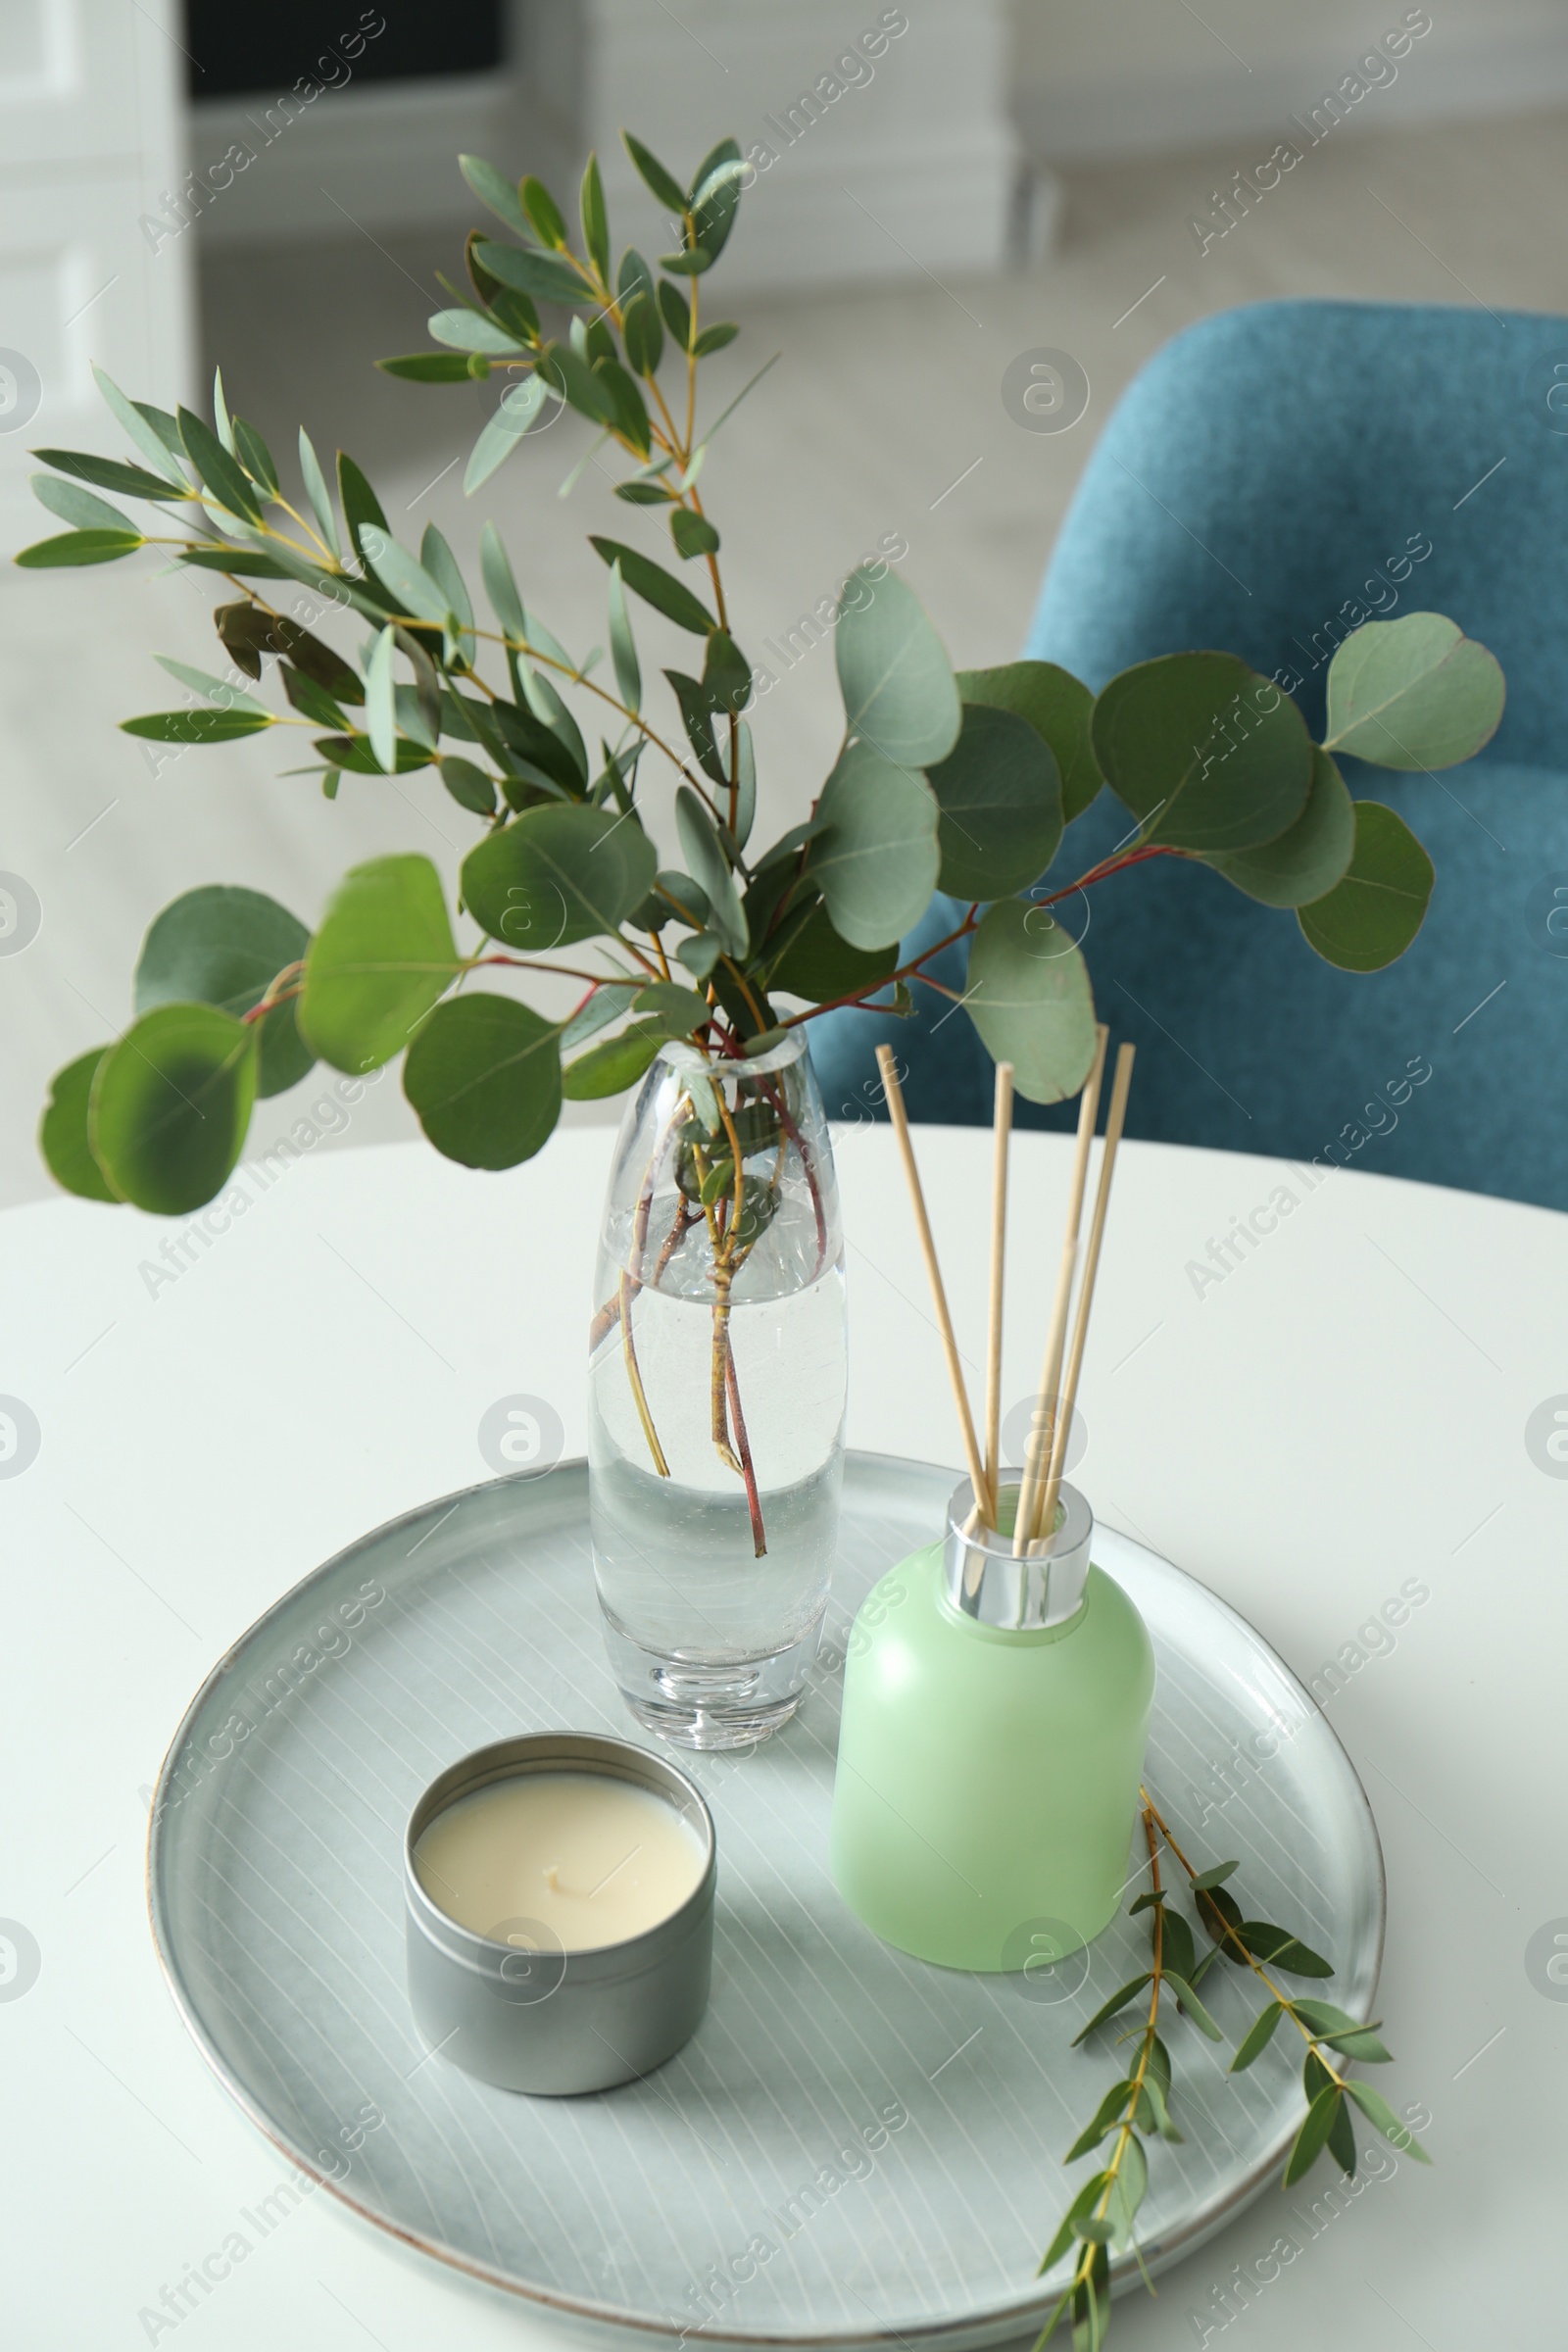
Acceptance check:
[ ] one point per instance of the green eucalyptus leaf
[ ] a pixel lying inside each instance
(433, 366)
(1370, 917)
(700, 952)
(62, 1130)
(484, 1073)
(1177, 1950)
(159, 446)
(643, 333)
(655, 586)
(1375, 2107)
(542, 276)
(360, 503)
(544, 214)
(219, 690)
(711, 869)
(440, 565)
(256, 458)
(1060, 708)
(622, 643)
(223, 478)
(726, 673)
(1106, 2116)
(79, 506)
(225, 946)
(1118, 2000)
(1307, 860)
(72, 549)
(875, 857)
(745, 785)
(1128, 2191)
(407, 578)
(555, 875)
(677, 312)
(354, 753)
(605, 1004)
(1312, 2137)
(898, 690)
(1282, 1949)
(680, 1010)
(1210, 755)
(1028, 995)
(383, 957)
(380, 701)
(495, 192)
(1000, 798)
(693, 534)
(714, 338)
(499, 585)
(169, 1105)
(594, 218)
(1193, 2006)
(197, 726)
(469, 786)
(515, 412)
(815, 963)
(1258, 2036)
(462, 329)
(1412, 693)
(655, 177)
(610, 1068)
(1215, 1876)
(316, 492)
(111, 473)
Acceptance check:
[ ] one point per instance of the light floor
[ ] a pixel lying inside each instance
(882, 416)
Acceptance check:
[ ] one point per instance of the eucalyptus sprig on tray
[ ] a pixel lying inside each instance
(1102, 2216)
(961, 783)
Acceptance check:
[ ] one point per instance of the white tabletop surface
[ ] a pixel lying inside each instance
(1343, 1412)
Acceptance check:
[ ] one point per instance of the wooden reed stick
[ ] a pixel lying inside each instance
(1046, 1518)
(901, 1126)
(1001, 1134)
(1041, 1428)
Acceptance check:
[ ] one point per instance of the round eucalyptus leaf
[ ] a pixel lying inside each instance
(1000, 798)
(1412, 693)
(1370, 919)
(897, 687)
(62, 1130)
(384, 953)
(484, 1075)
(703, 854)
(225, 946)
(1028, 995)
(1058, 707)
(817, 964)
(557, 874)
(1307, 862)
(170, 1106)
(877, 857)
(1210, 755)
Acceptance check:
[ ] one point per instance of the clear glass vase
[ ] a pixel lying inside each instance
(716, 1394)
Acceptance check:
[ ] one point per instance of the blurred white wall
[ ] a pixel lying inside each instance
(1105, 77)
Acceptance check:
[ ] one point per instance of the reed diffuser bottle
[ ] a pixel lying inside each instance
(997, 1687)
(994, 1713)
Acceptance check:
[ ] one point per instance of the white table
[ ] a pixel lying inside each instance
(1343, 1411)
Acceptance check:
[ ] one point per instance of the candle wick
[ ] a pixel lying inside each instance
(610, 1874)
(553, 1878)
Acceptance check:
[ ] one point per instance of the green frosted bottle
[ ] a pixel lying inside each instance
(991, 1745)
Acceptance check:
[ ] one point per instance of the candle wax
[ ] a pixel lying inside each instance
(591, 1858)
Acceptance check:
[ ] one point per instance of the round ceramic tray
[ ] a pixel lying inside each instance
(855, 2147)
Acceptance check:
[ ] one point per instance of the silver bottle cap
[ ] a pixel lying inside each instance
(983, 1579)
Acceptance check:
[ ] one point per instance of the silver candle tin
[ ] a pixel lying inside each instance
(527, 2015)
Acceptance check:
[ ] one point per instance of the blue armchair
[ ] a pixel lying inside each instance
(1274, 476)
